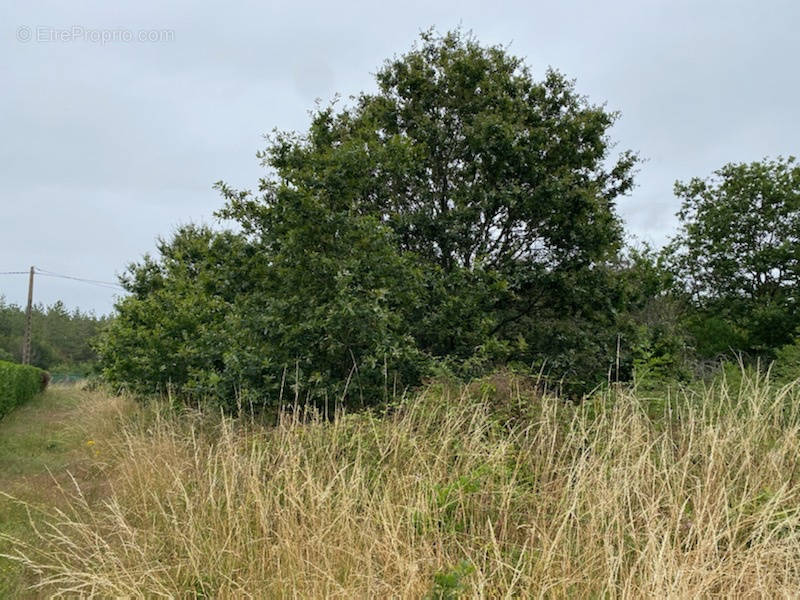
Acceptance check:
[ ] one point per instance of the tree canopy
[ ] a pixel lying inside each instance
(737, 255)
(60, 338)
(463, 215)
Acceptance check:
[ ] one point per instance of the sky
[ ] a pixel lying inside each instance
(117, 118)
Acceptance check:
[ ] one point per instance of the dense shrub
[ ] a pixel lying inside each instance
(18, 384)
(218, 317)
(460, 218)
(787, 362)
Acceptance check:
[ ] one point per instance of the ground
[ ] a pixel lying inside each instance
(487, 490)
(44, 445)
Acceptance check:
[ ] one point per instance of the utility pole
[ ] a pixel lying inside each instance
(26, 345)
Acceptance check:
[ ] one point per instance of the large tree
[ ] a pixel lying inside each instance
(461, 215)
(501, 187)
(737, 255)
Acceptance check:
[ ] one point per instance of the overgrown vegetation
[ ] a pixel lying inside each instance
(46, 446)
(18, 384)
(488, 490)
(459, 219)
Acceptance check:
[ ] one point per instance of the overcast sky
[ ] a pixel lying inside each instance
(109, 140)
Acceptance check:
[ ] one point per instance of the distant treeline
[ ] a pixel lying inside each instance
(60, 337)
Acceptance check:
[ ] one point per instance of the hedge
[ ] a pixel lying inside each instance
(18, 384)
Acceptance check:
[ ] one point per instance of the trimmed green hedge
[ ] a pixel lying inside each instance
(18, 384)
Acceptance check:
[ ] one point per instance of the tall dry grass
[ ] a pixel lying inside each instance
(486, 491)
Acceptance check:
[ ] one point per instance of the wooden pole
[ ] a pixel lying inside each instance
(26, 347)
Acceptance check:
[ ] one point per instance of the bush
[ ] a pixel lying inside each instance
(787, 362)
(18, 384)
(216, 317)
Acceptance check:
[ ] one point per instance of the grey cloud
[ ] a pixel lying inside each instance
(103, 147)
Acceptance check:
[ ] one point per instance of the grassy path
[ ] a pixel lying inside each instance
(459, 493)
(42, 445)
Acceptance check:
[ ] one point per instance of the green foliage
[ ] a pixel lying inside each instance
(449, 585)
(174, 327)
(18, 384)
(787, 362)
(448, 500)
(59, 337)
(461, 215)
(714, 335)
(221, 317)
(653, 346)
(737, 256)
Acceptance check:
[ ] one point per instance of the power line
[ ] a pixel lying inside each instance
(108, 286)
(97, 282)
(26, 345)
(46, 273)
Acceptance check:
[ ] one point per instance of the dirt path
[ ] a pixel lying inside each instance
(43, 445)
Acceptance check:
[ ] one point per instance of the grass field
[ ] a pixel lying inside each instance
(481, 491)
(44, 451)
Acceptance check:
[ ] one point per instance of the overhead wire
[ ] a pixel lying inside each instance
(96, 282)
